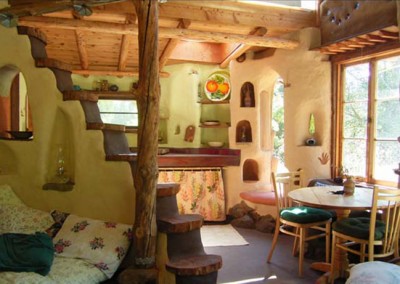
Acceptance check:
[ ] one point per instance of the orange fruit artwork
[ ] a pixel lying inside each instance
(223, 88)
(211, 86)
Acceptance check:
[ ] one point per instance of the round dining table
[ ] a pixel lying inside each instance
(332, 198)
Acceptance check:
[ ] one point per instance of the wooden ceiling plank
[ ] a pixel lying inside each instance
(241, 48)
(388, 35)
(82, 50)
(170, 46)
(375, 38)
(181, 34)
(124, 52)
(113, 73)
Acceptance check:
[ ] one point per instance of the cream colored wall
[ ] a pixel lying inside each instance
(102, 189)
(308, 74)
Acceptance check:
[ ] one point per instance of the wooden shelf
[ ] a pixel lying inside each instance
(220, 125)
(68, 186)
(208, 102)
(94, 96)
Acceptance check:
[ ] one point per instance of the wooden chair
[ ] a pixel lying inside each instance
(298, 218)
(380, 237)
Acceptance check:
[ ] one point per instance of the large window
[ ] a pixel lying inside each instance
(122, 112)
(370, 119)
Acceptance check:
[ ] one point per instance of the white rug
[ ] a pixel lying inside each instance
(221, 235)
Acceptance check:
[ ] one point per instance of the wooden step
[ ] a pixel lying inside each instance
(52, 63)
(122, 157)
(195, 265)
(33, 32)
(105, 126)
(178, 224)
(167, 189)
(80, 96)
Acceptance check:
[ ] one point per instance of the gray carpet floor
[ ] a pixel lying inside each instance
(247, 264)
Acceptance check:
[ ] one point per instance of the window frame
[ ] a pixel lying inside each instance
(338, 111)
(120, 96)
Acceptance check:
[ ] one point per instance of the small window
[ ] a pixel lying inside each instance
(122, 112)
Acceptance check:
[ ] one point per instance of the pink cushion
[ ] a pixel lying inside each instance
(259, 196)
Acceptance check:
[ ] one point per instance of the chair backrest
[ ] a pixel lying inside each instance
(283, 183)
(389, 201)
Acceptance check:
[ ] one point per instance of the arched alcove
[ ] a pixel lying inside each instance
(250, 170)
(243, 131)
(247, 98)
(15, 119)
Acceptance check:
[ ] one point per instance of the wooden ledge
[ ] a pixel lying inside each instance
(167, 189)
(87, 96)
(94, 125)
(114, 127)
(130, 157)
(179, 223)
(195, 265)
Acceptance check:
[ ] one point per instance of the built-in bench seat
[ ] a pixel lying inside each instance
(266, 197)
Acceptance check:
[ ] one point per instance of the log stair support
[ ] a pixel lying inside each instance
(187, 258)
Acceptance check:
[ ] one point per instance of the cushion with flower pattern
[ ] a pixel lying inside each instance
(23, 219)
(8, 196)
(104, 244)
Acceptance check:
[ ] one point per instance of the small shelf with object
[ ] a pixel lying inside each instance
(243, 132)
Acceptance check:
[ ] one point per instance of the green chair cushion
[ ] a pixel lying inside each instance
(359, 227)
(304, 215)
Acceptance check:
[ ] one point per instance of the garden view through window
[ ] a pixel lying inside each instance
(123, 112)
(371, 120)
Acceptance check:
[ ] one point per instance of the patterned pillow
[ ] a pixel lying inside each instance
(23, 219)
(7, 195)
(104, 244)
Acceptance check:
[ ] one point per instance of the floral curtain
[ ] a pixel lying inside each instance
(202, 191)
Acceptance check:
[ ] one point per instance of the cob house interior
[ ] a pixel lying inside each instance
(193, 85)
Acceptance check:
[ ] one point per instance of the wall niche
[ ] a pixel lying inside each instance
(250, 170)
(243, 132)
(247, 98)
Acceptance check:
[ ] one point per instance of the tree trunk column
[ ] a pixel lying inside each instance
(146, 170)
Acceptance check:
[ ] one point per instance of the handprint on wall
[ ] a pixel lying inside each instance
(324, 159)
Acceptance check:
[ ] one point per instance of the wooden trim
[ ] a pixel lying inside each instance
(134, 73)
(15, 101)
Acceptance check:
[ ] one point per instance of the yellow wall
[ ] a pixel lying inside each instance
(105, 189)
(102, 190)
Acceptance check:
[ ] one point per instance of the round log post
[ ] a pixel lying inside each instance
(145, 174)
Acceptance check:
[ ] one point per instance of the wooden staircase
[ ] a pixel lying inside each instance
(186, 256)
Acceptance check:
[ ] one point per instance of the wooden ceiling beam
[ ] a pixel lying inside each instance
(181, 34)
(235, 13)
(124, 52)
(97, 72)
(241, 48)
(82, 51)
(171, 45)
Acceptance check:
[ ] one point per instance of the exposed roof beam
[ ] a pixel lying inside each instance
(124, 51)
(134, 73)
(234, 13)
(182, 34)
(81, 43)
(241, 48)
(172, 43)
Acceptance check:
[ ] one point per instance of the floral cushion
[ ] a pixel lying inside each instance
(23, 219)
(101, 243)
(7, 195)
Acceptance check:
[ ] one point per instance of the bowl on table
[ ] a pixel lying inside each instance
(215, 144)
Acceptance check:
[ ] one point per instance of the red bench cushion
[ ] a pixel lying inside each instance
(259, 196)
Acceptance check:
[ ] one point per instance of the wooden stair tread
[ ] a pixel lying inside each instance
(105, 126)
(122, 157)
(177, 223)
(195, 265)
(80, 96)
(167, 189)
